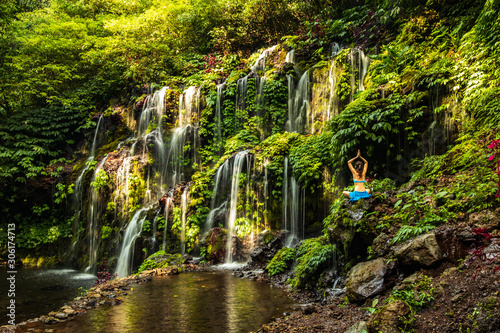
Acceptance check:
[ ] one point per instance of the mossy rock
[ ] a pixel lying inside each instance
(161, 259)
(215, 243)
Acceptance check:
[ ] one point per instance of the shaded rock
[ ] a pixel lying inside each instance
(359, 327)
(493, 249)
(388, 320)
(309, 309)
(68, 310)
(485, 219)
(381, 244)
(422, 251)
(366, 279)
(269, 245)
(61, 315)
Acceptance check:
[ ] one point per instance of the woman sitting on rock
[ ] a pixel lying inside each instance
(358, 175)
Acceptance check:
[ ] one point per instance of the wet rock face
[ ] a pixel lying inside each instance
(215, 242)
(422, 251)
(269, 245)
(366, 279)
(388, 320)
(381, 244)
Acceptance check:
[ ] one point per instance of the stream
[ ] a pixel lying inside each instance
(213, 301)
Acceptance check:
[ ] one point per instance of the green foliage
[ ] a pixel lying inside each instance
(101, 180)
(417, 295)
(313, 256)
(106, 231)
(382, 185)
(376, 124)
(281, 261)
(309, 156)
(473, 188)
(146, 226)
(160, 259)
(418, 212)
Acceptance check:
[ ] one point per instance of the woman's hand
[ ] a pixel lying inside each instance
(359, 153)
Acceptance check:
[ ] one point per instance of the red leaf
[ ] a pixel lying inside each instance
(491, 157)
(496, 269)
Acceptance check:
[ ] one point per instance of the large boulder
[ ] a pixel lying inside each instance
(423, 251)
(389, 318)
(366, 279)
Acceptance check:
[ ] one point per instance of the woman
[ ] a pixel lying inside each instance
(358, 175)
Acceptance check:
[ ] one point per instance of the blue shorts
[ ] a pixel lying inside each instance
(355, 196)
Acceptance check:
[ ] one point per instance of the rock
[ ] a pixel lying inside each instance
(388, 319)
(485, 219)
(366, 279)
(359, 327)
(493, 249)
(309, 309)
(61, 315)
(70, 312)
(381, 244)
(422, 251)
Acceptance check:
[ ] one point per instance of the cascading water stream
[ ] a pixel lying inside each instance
(78, 192)
(298, 104)
(134, 228)
(168, 203)
(239, 160)
(291, 206)
(290, 57)
(94, 215)
(221, 177)
(184, 203)
(218, 117)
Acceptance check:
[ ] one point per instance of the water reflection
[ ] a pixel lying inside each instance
(39, 291)
(191, 302)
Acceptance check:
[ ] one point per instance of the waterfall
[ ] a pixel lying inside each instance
(155, 228)
(153, 109)
(175, 159)
(364, 62)
(168, 203)
(359, 61)
(218, 117)
(188, 102)
(134, 228)
(298, 105)
(221, 177)
(290, 57)
(237, 167)
(291, 206)
(184, 203)
(240, 102)
(78, 192)
(92, 149)
(260, 63)
(93, 218)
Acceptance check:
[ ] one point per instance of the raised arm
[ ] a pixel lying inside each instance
(349, 163)
(365, 168)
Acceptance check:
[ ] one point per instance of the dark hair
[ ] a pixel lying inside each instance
(360, 163)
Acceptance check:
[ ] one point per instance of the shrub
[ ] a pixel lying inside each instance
(281, 261)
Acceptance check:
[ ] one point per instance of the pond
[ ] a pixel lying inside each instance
(213, 301)
(39, 291)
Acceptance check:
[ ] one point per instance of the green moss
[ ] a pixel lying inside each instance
(161, 259)
(281, 261)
